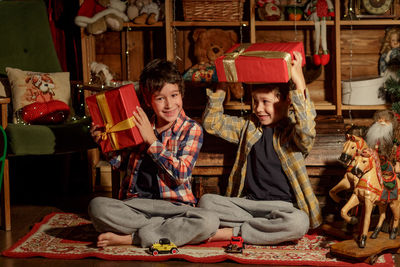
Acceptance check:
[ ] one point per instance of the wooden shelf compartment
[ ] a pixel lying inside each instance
(365, 107)
(370, 22)
(209, 24)
(324, 105)
(158, 24)
(290, 23)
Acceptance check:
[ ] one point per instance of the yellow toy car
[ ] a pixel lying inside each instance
(163, 246)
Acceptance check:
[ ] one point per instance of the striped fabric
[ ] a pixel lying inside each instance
(292, 140)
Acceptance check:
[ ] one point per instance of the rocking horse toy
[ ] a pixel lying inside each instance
(374, 187)
(351, 147)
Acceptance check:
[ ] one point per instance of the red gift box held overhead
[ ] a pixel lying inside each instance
(258, 63)
(113, 111)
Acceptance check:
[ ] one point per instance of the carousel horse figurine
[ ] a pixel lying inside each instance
(375, 186)
(352, 145)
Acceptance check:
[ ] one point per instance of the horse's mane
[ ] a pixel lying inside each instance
(375, 156)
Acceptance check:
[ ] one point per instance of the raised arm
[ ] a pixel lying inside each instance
(304, 111)
(216, 122)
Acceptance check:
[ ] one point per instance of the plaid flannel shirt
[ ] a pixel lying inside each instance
(175, 154)
(292, 141)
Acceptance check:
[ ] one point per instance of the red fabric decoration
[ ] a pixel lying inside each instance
(51, 112)
(90, 8)
(57, 34)
(322, 8)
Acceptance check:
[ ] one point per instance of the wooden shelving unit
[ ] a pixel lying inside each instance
(326, 91)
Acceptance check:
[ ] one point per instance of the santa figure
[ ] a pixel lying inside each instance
(380, 134)
(99, 15)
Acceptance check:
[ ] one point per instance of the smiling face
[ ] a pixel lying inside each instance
(269, 107)
(167, 104)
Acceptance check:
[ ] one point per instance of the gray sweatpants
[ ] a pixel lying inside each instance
(258, 222)
(148, 220)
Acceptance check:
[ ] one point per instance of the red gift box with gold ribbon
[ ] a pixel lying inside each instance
(113, 111)
(258, 63)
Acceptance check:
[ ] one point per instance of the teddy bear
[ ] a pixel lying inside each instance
(209, 44)
(143, 11)
(212, 43)
(99, 15)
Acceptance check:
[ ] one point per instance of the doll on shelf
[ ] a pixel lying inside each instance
(390, 50)
(320, 11)
(350, 11)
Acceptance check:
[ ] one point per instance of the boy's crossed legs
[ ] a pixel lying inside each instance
(148, 220)
(258, 222)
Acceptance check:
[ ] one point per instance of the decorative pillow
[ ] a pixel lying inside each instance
(201, 73)
(33, 91)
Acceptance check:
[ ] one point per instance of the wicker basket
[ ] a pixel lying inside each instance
(213, 10)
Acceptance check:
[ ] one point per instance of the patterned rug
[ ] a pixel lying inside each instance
(69, 236)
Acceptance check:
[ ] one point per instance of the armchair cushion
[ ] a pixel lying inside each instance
(31, 91)
(49, 139)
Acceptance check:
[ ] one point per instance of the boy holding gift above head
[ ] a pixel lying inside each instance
(157, 199)
(269, 196)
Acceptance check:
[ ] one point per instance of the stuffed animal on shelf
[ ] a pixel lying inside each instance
(269, 10)
(294, 9)
(209, 44)
(320, 11)
(212, 43)
(100, 74)
(99, 15)
(143, 11)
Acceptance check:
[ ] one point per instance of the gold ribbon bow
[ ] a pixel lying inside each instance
(229, 59)
(110, 127)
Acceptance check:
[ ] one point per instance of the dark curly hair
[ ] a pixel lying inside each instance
(156, 74)
(281, 90)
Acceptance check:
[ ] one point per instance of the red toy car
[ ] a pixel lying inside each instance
(236, 245)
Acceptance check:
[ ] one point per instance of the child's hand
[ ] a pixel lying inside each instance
(95, 132)
(142, 122)
(297, 71)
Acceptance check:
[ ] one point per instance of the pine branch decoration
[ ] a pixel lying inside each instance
(392, 90)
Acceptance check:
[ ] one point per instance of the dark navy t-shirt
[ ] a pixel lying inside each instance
(265, 179)
(146, 185)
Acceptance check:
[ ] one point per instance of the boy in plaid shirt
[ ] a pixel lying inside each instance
(269, 196)
(156, 194)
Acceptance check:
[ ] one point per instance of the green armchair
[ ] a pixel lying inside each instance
(29, 46)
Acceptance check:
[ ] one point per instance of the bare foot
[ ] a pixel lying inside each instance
(111, 239)
(223, 234)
